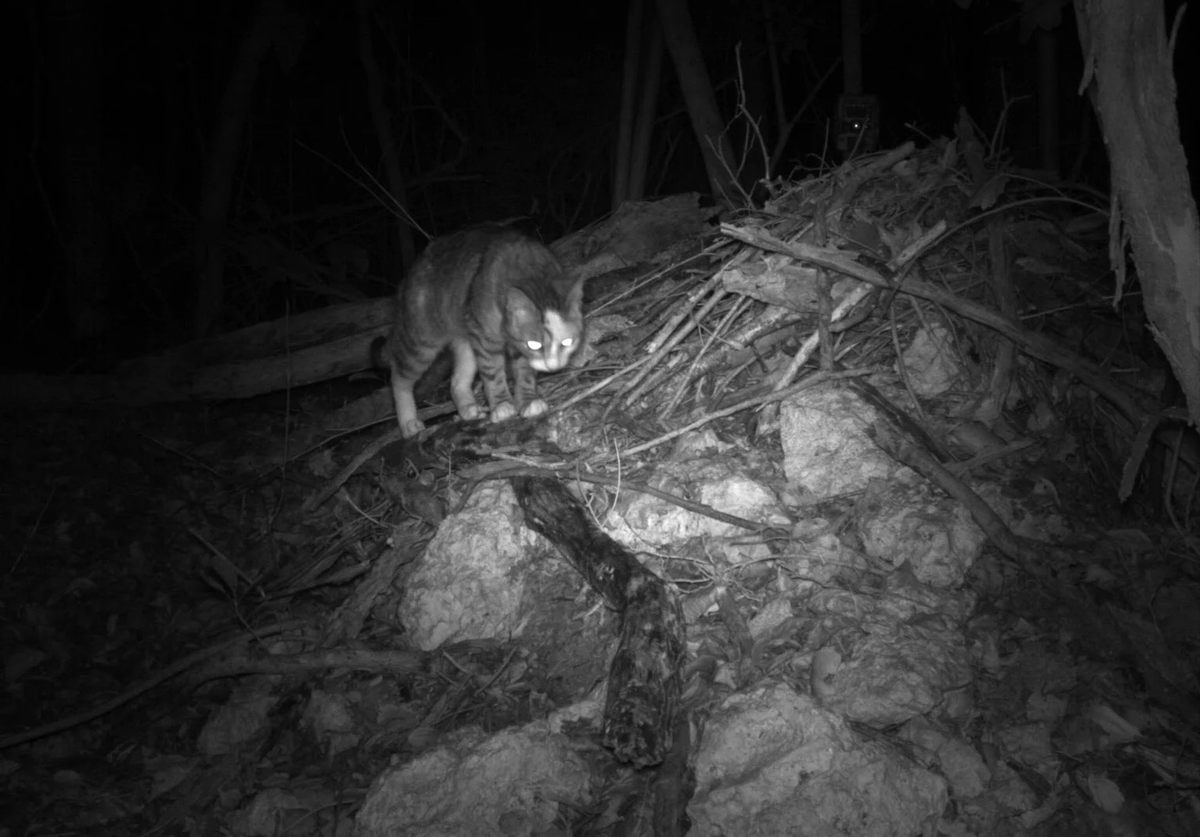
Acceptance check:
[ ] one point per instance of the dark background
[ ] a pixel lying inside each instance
(499, 110)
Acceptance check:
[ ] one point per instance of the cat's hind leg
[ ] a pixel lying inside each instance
(407, 360)
(462, 381)
(406, 407)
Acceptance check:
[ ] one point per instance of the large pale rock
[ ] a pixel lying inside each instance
(471, 580)
(773, 762)
(520, 781)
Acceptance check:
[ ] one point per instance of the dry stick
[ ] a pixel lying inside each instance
(819, 377)
(651, 278)
(599, 385)
(357, 659)
(736, 309)
(347, 622)
(394, 435)
(660, 347)
(1137, 451)
(226, 566)
(966, 466)
(992, 525)
(901, 367)
(682, 502)
(848, 302)
(809, 345)
(659, 339)
(768, 320)
(652, 381)
(369, 452)
(173, 670)
(1035, 344)
(656, 348)
(825, 319)
(1006, 297)
(326, 441)
(781, 144)
(862, 173)
(525, 469)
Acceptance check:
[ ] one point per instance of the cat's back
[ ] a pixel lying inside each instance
(465, 271)
(485, 252)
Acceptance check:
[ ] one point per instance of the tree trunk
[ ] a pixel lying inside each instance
(1047, 59)
(219, 168)
(715, 147)
(623, 156)
(643, 122)
(383, 131)
(76, 105)
(1128, 64)
(852, 76)
(639, 101)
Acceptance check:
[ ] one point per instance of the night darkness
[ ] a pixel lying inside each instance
(497, 111)
(260, 577)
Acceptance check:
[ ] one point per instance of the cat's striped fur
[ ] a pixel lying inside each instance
(494, 296)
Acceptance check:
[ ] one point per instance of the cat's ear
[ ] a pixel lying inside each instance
(520, 309)
(574, 294)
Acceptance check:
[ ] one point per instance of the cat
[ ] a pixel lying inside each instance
(492, 295)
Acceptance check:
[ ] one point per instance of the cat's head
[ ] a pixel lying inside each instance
(547, 336)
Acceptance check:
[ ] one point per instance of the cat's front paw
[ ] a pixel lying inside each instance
(534, 408)
(411, 428)
(503, 411)
(471, 412)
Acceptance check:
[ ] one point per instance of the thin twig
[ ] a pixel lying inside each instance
(366, 454)
(1038, 345)
(37, 524)
(173, 670)
(519, 470)
(735, 310)
(757, 401)
(693, 322)
(810, 343)
(599, 385)
(660, 339)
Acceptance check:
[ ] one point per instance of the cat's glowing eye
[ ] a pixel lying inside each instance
(534, 345)
(568, 342)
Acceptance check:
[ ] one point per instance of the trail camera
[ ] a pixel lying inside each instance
(858, 124)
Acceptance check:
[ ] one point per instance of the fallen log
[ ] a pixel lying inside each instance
(289, 352)
(333, 342)
(644, 679)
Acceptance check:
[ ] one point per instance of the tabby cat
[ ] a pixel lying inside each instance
(492, 295)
